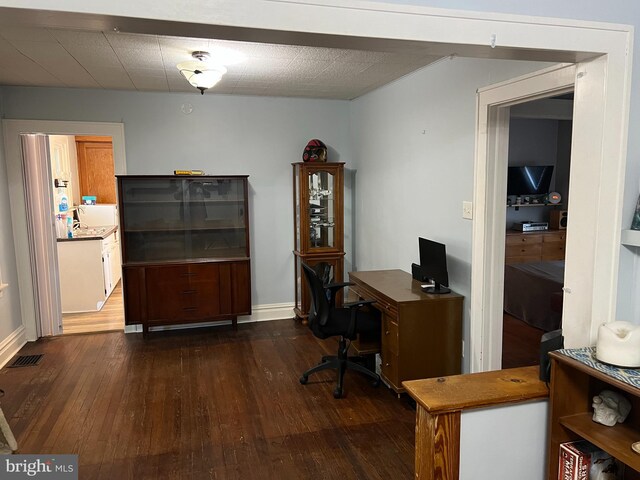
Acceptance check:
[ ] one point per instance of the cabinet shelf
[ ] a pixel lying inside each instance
(616, 440)
(535, 205)
(177, 228)
(181, 202)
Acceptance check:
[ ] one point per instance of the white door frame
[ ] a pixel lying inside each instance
(590, 286)
(12, 129)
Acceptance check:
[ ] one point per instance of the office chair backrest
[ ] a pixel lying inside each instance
(320, 309)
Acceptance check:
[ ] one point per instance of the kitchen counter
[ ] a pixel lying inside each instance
(89, 268)
(91, 233)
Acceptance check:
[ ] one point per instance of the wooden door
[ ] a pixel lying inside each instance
(95, 168)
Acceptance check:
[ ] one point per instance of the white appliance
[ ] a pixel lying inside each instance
(98, 215)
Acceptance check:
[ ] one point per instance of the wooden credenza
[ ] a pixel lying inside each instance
(167, 294)
(421, 334)
(522, 247)
(185, 249)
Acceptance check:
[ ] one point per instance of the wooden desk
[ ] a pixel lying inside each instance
(421, 333)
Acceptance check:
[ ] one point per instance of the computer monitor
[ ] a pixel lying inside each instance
(433, 262)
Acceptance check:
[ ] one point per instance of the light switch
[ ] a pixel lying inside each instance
(467, 210)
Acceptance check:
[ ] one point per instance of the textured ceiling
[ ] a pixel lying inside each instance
(35, 56)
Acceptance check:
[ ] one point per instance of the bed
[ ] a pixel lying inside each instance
(533, 293)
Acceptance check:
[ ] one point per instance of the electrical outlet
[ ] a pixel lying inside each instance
(467, 210)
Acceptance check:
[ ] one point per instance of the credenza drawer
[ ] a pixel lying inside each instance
(523, 239)
(553, 251)
(559, 236)
(524, 250)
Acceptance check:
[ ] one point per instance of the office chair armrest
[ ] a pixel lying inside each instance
(333, 290)
(358, 304)
(355, 307)
(337, 285)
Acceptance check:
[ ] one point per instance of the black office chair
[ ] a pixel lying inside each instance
(326, 320)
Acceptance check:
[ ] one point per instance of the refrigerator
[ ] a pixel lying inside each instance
(98, 215)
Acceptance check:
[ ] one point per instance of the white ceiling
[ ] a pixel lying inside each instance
(52, 57)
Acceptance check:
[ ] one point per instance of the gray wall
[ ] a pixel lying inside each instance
(10, 318)
(623, 12)
(414, 144)
(533, 142)
(257, 136)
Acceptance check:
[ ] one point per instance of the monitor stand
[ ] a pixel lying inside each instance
(437, 289)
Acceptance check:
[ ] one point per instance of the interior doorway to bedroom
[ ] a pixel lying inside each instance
(539, 158)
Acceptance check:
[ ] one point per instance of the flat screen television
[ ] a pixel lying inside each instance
(529, 180)
(433, 263)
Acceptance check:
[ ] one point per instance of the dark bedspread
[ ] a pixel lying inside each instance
(528, 289)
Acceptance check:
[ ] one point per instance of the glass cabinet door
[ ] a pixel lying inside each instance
(321, 210)
(317, 207)
(175, 219)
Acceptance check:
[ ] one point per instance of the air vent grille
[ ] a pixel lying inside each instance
(26, 361)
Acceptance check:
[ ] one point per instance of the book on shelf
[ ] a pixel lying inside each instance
(581, 460)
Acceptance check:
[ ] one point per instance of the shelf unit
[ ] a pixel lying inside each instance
(185, 248)
(575, 380)
(318, 215)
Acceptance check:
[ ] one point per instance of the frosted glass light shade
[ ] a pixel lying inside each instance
(200, 74)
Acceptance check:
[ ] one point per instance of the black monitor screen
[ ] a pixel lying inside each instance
(531, 180)
(433, 263)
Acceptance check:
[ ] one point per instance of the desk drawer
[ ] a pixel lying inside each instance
(390, 334)
(389, 366)
(381, 304)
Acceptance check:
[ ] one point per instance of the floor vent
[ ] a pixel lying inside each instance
(26, 361)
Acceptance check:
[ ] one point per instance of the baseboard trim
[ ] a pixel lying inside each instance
(259, 313)
(12, 345)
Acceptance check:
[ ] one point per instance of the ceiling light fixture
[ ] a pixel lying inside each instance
(200, 73)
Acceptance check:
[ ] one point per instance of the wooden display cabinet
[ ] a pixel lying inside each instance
(185, 249)
(318, 217)
(574, 383)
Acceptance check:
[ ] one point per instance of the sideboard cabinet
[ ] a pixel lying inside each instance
(185, 249)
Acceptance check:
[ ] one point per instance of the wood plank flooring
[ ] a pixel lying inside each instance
(206, 403)
(520, 343)
(109, 318)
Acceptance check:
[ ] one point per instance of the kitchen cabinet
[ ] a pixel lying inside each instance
(185, 249)
(89, 269)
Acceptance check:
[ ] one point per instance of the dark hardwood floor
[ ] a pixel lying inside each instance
(206, 403)
(520, 343)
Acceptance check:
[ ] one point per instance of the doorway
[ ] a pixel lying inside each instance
(31, 316)
(539, 157)
(88, 247)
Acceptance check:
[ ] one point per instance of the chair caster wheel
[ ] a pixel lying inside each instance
(337, 393)
(304, 379)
